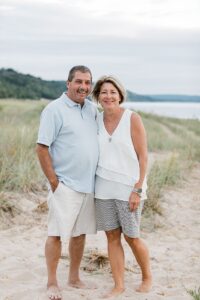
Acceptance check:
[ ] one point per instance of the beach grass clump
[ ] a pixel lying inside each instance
(162, 174)
(194, 293)
(19, 167)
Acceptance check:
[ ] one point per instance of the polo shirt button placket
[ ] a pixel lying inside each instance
(81, 111)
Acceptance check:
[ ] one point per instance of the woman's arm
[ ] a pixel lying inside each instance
(139, 140)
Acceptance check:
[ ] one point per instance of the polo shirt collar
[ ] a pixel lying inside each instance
(70, 102)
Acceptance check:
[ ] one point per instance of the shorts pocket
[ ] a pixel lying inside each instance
(57, 188)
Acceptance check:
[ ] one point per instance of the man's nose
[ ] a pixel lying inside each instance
(84, 86)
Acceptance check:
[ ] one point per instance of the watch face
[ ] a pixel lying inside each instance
(139, 191)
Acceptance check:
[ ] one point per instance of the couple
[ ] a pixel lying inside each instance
(81, 151)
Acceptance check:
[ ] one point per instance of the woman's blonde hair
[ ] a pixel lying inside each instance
(108, 79)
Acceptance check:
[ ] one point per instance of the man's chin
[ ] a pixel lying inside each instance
(80, 100)
(82, 95)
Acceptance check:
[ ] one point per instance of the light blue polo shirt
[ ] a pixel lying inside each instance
(71, 134)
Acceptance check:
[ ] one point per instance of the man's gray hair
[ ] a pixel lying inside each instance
(80, 68)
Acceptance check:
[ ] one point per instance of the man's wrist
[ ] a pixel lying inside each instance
(53, 180)
(54, 183)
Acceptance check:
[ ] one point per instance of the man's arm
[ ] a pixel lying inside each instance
(46, 164)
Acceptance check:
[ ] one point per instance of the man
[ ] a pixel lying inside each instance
(68, 152)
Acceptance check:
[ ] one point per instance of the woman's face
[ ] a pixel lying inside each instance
(109, 96)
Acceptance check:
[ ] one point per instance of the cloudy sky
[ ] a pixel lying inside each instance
(152, 46)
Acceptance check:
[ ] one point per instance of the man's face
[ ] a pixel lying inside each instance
(80, 87)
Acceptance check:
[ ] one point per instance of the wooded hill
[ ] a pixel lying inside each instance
(24, 86)
(21, 86)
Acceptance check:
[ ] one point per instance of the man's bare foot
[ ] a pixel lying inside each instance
(145, 286)
(115, 292)
(54, 293)
(82, 285)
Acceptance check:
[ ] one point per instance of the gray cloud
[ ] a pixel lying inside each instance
(47, 38)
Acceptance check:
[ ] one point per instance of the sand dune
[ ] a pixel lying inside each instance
(174, 247)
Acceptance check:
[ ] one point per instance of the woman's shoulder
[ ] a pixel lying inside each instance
(134, 116)
(136, 120)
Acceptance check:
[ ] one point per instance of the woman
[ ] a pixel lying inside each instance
(120, 188)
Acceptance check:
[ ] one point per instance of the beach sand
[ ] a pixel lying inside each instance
(174, 244)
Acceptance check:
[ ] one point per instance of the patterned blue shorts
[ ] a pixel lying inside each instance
(112, 214)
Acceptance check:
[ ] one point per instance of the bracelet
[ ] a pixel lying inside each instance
(139, 195)
(137, 191)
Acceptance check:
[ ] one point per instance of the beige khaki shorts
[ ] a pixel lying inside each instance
(71, 213)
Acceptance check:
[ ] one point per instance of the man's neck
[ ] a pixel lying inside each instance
(81, 104)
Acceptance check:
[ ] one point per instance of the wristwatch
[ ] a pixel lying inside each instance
(137, 191)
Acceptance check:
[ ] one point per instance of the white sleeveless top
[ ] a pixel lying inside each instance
(118, 166)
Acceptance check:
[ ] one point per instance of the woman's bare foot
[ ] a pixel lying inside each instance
(145, 286)
(114, 293)
(82, 285)
(54, 293)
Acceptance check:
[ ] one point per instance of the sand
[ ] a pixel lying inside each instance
(174, 245)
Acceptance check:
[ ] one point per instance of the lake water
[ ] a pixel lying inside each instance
(176, 109)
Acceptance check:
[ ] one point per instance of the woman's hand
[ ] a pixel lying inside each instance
(134, 201)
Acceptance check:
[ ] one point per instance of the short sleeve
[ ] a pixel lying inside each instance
(50, 125)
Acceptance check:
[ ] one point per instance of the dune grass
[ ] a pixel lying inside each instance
(162, 174)
(181, 138)
(20, 170)
(194, 293)
(171, 134)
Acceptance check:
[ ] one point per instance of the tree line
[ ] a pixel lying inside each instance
(25, 86)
